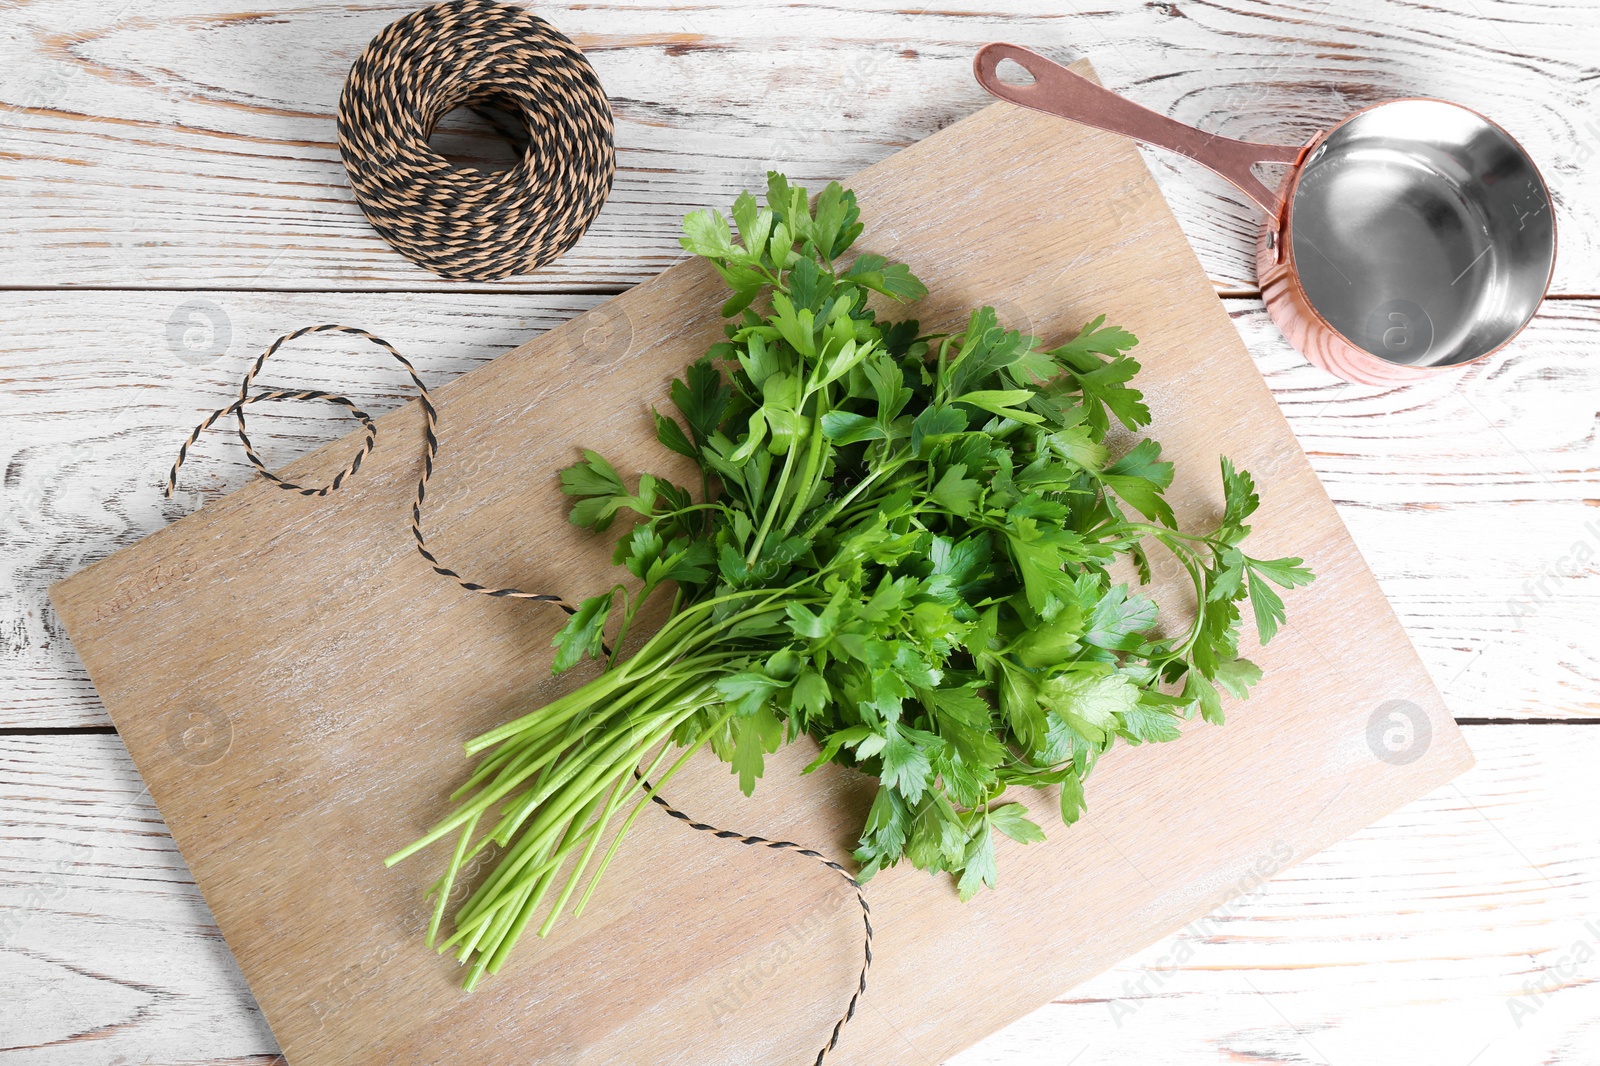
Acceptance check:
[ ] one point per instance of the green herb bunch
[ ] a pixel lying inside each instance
(899, 547)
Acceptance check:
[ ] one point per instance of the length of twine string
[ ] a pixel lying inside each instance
(430, 420)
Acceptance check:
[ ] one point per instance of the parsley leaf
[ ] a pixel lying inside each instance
(584, 633)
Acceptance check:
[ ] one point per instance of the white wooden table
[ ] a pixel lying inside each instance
(173, 200)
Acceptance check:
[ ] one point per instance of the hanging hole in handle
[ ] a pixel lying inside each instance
(1270, 174)
(1014, 74)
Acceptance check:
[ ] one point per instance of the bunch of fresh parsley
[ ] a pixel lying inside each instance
(899, 546)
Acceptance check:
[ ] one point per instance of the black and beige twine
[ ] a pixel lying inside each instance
(475, 224)
(785, 845)
(430, 451)
(466, 222)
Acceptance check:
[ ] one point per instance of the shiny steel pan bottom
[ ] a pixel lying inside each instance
(1421, 232)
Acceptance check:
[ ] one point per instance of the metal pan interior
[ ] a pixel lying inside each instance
(1422, 232)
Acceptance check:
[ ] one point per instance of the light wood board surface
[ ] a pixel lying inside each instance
(1426, 938)
(332, 677)
(146, 151)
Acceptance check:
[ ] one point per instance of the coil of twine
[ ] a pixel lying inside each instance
(465, 222)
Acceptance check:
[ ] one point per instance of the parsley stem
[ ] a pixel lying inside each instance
(528, 900)
(443, 886)
(813, 472)
(554, 713)
(837, 509)
(671, 772)
(629, 609)
(595, 771)
(771, 509)
(1162, 532)
(623, 786)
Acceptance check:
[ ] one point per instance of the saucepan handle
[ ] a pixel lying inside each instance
(1058, 91)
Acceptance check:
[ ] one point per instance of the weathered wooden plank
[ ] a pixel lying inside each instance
(215, 172)
(1472, 497)
(1424, 938)
(1460, 930)
(193, 145)
(330, 665)
(109, 954)
(97, 390)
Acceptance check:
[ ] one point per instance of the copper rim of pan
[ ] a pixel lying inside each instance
(1272, 244)
(1063, 93)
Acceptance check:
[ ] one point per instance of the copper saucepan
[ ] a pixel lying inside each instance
(1412, 238)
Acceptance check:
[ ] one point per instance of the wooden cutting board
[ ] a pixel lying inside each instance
(294, 685)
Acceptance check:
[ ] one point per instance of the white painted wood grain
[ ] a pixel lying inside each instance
(1473, 497)
(191, 143)
(1424, 939)
(107, 952)
(97, 390)
(1461, 931)
(188, 145)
